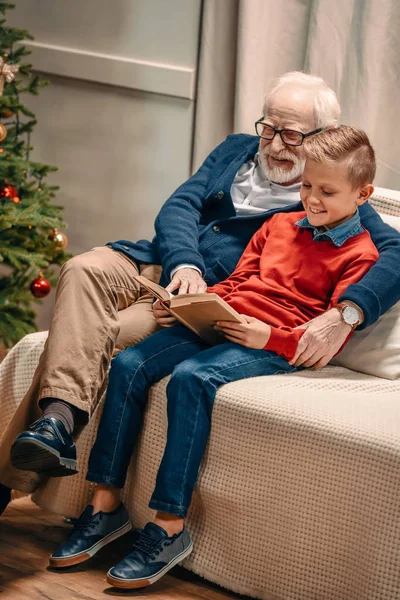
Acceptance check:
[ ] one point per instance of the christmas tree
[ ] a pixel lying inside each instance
(30, 240)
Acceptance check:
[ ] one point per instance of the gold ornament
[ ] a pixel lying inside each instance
(3, 132)
(59, 239)
(7, 73)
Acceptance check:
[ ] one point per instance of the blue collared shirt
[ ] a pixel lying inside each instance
(340, 234)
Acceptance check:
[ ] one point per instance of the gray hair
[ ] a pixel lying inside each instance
(326, 105)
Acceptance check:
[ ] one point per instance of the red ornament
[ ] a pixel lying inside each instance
(40, 287)
(6, 113)
(8, 191)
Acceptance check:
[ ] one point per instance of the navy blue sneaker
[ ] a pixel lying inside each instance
(153, 555)
(90, 534)
(46, 447)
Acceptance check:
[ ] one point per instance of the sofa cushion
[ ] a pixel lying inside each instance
(376, 349)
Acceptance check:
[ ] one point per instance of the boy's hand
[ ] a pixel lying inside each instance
(253, 334)
(162, 315)
(323, 338)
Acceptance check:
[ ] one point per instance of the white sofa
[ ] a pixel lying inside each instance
(299, 493)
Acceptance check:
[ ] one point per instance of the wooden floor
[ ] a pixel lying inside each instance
(28, 535)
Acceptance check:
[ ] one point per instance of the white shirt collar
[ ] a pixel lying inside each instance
(252, 192)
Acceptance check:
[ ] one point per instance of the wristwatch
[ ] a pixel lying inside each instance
(350, 314)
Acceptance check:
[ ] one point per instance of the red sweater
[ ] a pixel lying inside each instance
(285, 278)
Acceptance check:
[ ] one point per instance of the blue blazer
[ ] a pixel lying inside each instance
(198, 225)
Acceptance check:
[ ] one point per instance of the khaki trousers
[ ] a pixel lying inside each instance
(99, 310)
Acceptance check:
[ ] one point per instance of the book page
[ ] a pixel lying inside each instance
(198, 312)
(201, 315)
(217, 307)
(156, 290)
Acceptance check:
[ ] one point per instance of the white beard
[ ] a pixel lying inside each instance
(279, 174)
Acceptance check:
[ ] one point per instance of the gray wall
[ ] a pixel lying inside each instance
(117, 118)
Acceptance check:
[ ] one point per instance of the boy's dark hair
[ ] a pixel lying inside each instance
(347, 145)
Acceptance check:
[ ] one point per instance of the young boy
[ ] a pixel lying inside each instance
(294, 268)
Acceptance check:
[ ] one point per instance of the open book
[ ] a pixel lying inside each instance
(199, 312)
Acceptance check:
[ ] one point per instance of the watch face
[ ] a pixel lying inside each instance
(350, 315)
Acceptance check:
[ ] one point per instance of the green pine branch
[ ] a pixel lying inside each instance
(4, 6)
(16, 322)
(28, 217)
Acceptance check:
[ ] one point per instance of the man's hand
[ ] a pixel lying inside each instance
(189, 281)
(252, 334)
(324, 336)
(162, 315)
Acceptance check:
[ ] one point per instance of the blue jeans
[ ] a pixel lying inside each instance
(198, 370)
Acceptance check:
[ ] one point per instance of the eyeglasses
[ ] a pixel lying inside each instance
(290, 137)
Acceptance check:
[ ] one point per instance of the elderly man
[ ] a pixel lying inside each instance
(201, 231)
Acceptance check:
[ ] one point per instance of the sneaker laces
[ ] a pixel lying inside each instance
(86, 523)
(40, 423)
(47, 425)
(146, 544)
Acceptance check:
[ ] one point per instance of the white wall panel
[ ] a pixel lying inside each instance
(120, 149)
(114, 70)
(120, 154)
(154, 30)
